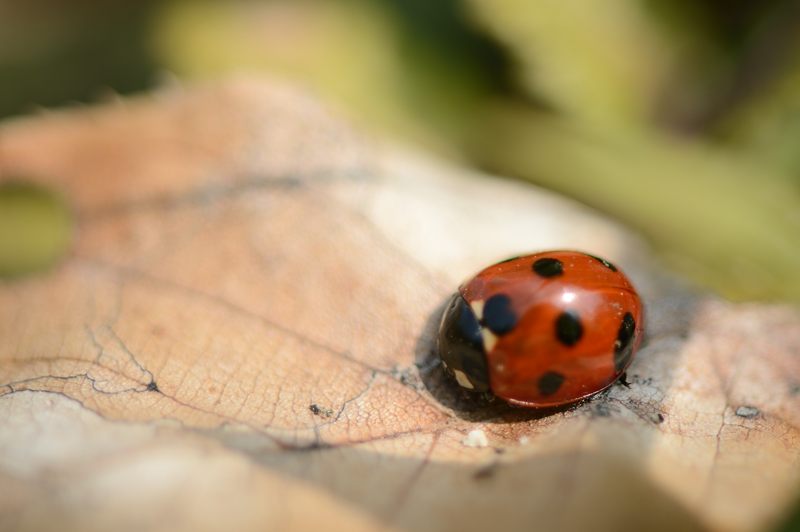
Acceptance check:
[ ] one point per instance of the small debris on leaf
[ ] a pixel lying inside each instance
(320, 411)
(747, 411)
(476, 438)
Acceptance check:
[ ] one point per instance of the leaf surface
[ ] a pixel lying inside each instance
(241, 337)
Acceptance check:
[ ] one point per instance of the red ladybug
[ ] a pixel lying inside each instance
(542, 330)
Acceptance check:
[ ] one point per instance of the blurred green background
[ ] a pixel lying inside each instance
(680, 118)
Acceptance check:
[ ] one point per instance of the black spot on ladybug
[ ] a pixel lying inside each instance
(605, 263)
(548, 267)
(550, 382)
(623, 347)
(461, 344)
(498, 315)
(568, 328)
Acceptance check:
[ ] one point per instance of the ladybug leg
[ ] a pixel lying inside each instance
(623, 380)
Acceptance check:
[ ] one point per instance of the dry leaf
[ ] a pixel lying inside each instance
(241, 338)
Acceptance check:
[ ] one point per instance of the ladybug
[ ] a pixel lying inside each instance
(542, 330)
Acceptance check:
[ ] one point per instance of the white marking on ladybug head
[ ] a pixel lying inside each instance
(489, 339)
(462, 379)
(477, 308)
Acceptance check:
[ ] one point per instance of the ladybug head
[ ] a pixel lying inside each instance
(461, 346)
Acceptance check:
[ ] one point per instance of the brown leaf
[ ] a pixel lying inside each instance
(241, 338)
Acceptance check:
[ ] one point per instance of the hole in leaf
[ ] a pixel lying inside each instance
(35, 228)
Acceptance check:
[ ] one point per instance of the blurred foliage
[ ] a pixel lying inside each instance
(699, 204)
(35, 228)
(768, 123)
(792, 523)
(52, 52)
(383, 62)
(726, 220)
(680, 117)
(602, 63)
